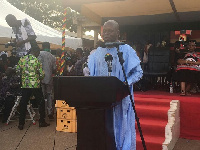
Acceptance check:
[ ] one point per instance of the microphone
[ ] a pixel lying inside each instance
(108, 59)
(111, 44)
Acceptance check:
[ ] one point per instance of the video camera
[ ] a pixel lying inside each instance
(13, 44)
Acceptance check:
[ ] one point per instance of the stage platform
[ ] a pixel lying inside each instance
(35, 138)
(189, 111)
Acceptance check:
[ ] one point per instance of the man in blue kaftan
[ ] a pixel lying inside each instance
(123, 114)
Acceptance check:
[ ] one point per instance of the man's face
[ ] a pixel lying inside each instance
(110, 33)
(79, 54)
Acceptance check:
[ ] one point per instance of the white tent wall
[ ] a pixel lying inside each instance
(44, 33)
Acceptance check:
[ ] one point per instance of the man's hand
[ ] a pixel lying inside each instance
(195, 63)
(190, 63)
(18, 44)
(30, 37)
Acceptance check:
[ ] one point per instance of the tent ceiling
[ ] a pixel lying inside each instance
(137, 12)
(76, 4)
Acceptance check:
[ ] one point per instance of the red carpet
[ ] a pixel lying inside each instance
(153, 119)
(189, 111)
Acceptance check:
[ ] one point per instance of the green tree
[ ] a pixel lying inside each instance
(48, 12)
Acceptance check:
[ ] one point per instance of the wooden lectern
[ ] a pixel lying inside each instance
(93, 98)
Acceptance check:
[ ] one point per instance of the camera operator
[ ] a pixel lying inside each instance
(25, 36)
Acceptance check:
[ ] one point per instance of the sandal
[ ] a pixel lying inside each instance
(182, 93)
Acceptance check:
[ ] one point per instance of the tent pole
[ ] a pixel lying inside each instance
(63, 43)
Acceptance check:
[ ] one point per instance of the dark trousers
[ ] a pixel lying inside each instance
(26, 93)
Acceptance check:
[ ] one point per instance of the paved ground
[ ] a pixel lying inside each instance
(35, 138)
(185, 144)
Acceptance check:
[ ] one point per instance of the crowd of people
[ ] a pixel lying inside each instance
(30, 70)
(32, 75)
(184, 62)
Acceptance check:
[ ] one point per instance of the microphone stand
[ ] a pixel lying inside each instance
(121, 60)
(109, 67)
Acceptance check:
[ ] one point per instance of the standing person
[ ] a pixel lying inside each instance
(31, 73)
(49, 66)
(123, 114)
(25, 35)
(79, 65)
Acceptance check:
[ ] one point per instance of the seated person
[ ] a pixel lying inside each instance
(188, 69)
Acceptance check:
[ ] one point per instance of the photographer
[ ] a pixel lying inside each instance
(25, 36)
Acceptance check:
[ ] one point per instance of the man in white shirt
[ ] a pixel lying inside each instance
(25, 35)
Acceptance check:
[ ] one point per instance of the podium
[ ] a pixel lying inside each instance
(93, 98)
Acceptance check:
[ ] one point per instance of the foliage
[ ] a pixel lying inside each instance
(49, 12)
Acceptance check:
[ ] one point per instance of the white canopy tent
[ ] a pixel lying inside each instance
(44, 33)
